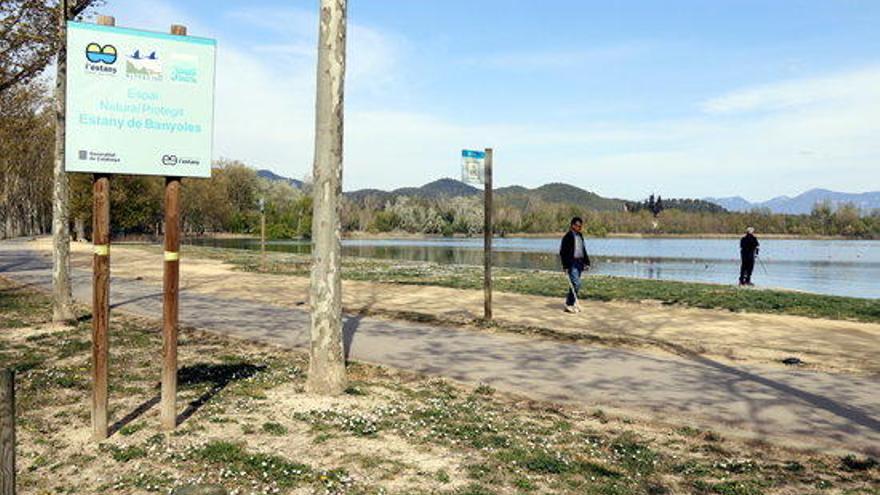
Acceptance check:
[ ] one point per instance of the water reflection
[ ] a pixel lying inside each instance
(849, 268)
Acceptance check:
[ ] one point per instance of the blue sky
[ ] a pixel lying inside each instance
(684, 98)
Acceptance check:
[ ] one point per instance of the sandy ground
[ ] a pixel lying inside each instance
(828, 345)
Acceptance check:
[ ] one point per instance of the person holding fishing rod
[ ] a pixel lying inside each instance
(575, 261)
(748, 251)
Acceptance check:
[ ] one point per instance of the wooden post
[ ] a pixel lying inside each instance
(171, 294)
(100, 293)
(487, 238)
(170, 303)
(100, 303)
(7, 432)
(262, 235)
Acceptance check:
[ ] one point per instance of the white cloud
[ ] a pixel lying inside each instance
(788, 95)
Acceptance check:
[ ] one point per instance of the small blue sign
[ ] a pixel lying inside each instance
(479, 155)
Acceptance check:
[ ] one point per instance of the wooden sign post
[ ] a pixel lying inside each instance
(171, 297)
(487, 238)
(100, 293)
(262, 234)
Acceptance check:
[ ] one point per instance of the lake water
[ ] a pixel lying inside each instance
(838, 267)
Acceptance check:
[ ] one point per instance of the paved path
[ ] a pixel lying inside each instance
(792, 407)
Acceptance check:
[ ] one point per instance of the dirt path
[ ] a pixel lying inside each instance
(792, 407)
(826, 345)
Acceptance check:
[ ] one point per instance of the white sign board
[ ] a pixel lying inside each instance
(138, 102)
(473, 167)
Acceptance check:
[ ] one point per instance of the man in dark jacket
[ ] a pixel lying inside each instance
(748, 249)
(573, 254)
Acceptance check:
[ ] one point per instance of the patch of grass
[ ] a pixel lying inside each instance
(235, 457)
(358, 424)
(269, 469)
(355, 390)
(443, 477)
(484, 389)
(474, 489)
(633, 454)
(729, 488)
(273, 428)
(124, 453)
(132, 428)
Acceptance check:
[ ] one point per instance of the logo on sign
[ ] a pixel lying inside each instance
(99, 59)
(170, 160)
(144, 66)
(473, 167)
(184, 68)
(98, 54)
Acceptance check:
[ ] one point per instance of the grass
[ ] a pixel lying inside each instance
(544, 283)
(255, 431)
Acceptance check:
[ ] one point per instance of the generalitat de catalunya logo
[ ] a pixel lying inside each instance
(101, 58)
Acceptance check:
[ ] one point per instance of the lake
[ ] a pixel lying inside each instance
(837, 267)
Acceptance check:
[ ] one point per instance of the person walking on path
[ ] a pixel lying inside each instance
(748, 250)
(573, 254)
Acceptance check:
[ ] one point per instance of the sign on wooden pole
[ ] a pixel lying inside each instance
(487, 238)
(476, 168)
(142, 103)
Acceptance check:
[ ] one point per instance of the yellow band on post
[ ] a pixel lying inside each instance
(172, 256)
(102, 249)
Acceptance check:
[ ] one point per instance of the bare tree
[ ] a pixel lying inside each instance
(326, 359)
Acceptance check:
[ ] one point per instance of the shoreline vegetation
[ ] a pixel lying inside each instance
(554, 235)
(229, 203)
(546, 283)
(252, 429)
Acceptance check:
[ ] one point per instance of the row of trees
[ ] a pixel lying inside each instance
(229, 202)
(26, 153)
(449, 216)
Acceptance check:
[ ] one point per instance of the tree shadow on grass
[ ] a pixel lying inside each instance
(217, 375)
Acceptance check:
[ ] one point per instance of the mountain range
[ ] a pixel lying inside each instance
(803, 203)
(516, 196)
(520, 196)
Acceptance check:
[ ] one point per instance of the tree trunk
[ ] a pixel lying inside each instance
(79, 226)
(327, 362)
(62, 300)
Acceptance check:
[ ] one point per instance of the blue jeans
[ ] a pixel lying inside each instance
(574, 274)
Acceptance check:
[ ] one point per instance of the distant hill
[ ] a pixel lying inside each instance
(268, 174)
(556, 192)
(518, 196)
(442, 188)
(803, 203)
